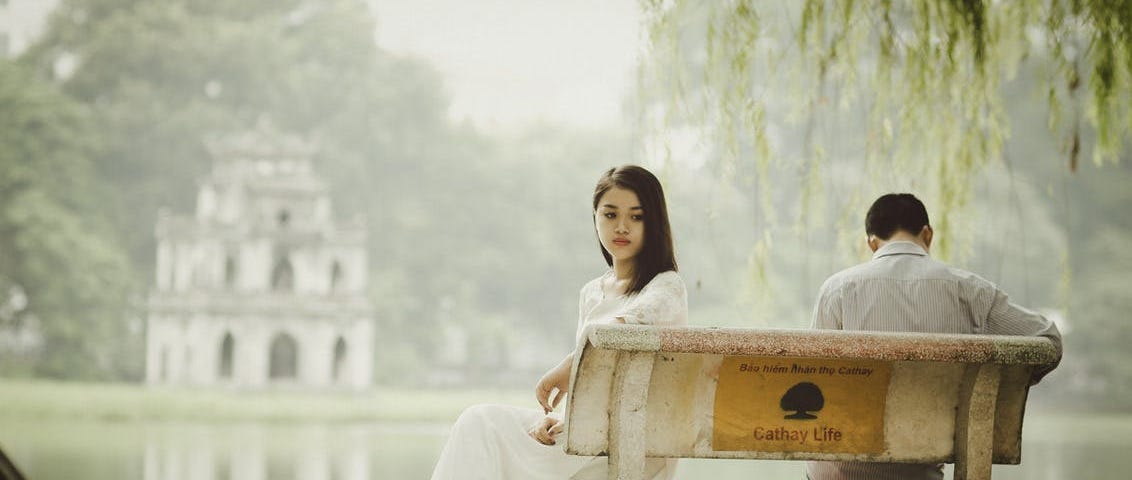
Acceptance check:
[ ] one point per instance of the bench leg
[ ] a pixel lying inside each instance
(974, 424)
(627, 415)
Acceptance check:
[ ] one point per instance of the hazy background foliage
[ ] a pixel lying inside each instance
(772, 127)
(984, 109)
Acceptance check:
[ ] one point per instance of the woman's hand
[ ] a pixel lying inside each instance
(544, 431)
(552, 387)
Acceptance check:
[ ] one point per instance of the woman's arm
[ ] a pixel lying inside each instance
(546, 431)
(552, 387)
(549, 391)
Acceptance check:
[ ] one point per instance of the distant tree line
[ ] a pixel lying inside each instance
(104, 119)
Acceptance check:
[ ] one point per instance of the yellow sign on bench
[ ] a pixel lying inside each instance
(800, 405)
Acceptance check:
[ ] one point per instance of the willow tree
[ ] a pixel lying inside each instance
(918, 86)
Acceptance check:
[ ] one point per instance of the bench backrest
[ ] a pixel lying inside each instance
(800, 394)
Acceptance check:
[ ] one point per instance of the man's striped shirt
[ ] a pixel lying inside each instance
(902, 289)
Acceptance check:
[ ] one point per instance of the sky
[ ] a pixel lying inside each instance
(20, 22)
(508, 63)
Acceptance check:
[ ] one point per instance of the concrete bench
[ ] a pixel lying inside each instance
(690, 392)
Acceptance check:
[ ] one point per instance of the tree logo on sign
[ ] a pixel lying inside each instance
(801, 399)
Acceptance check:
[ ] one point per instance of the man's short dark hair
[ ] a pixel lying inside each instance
(896, 211)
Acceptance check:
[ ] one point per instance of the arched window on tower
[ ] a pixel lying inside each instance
(171, 270)
(227, 351)
(187, 365)
(283, 218)
(230, 272)
(339, 360)
(223, 466)
(335, 277)
(163, 365)
(284, 358)
(282, 275)
(194, 277)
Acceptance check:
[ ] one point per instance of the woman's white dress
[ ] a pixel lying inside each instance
(490, 442)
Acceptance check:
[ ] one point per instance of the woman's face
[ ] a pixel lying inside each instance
(620, 222)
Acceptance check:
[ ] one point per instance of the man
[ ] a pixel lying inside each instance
(902, 289)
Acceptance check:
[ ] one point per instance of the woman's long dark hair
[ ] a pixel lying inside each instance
(657, 254)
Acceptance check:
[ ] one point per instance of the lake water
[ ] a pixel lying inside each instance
(1056, 446)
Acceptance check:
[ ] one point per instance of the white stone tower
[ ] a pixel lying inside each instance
(260, 289)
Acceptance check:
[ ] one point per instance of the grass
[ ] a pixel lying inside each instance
(31, 399)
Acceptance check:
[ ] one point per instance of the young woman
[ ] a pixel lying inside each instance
(496, 442)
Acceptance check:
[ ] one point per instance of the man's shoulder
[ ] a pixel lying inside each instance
(967, 277)
(847, 276)
(920, 268)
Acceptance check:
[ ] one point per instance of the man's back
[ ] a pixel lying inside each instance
(902, 289)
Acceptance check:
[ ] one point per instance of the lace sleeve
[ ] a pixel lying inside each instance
(581, 314)
(663, 302)
(585, 303)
